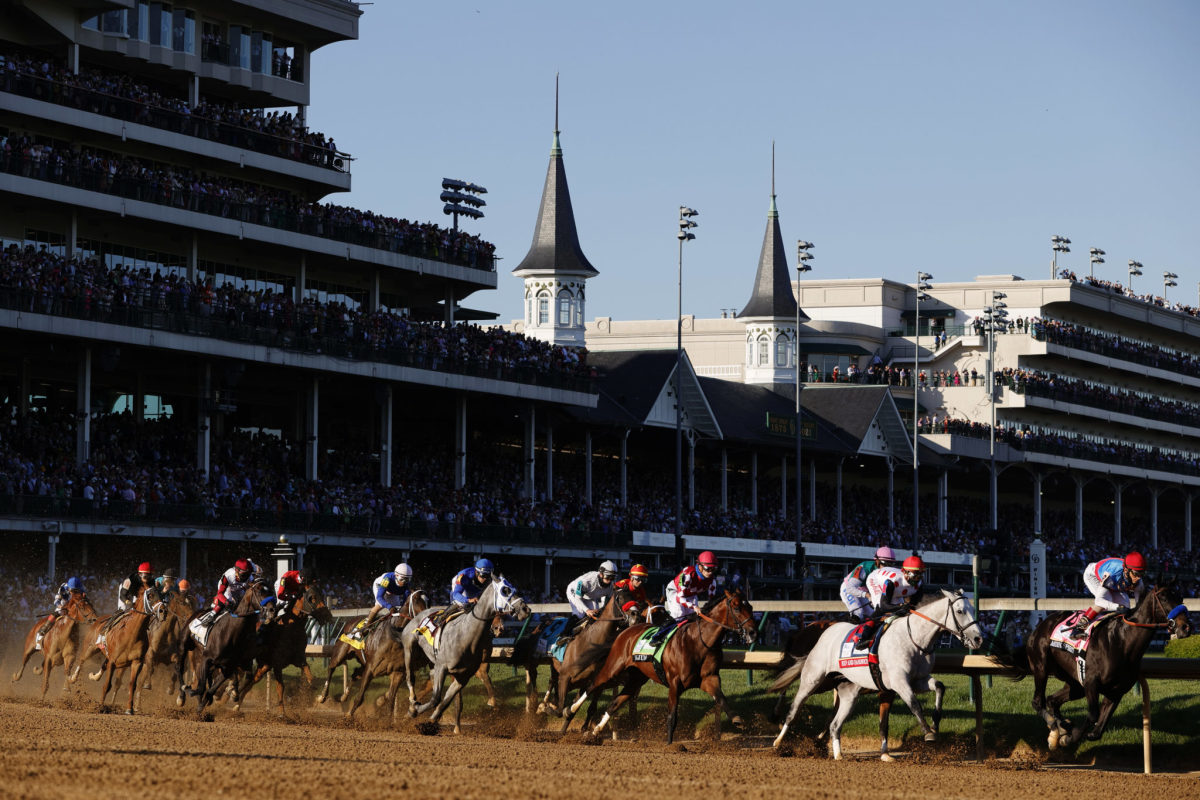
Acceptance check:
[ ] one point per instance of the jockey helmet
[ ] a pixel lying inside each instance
(307, 575)
(913, 564)
(403, 572)
(707, 559)
(885, 554)
(1135, 563)
(75, 584)
(242, 565)
(170, 572)
(483, 567)
(145, 567)
(608, 570)
(638, 571)
(184, 585)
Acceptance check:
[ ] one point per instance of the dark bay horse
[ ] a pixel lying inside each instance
(343, 653)
(284, 640)
(383, 652)
(584, 654)
(165, 634)
(123, 638)
(60, 642)
(691, 659)
(1112, 661)
(230, 648)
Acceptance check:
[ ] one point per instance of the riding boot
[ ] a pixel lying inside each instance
(867, 634)
(1081, 625)
(656, 638)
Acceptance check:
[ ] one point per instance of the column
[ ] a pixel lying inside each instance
(386, 433)
(183, 558)
(1117, 490)
(943, 500)
(1187, 522)
(312, 430)
(549, 459)
(1038, 477)
(300, 551)
(891, 466)
(193, 84)
(374, 301)
(449, 305)
(587, 466)
(284, 555)
(73, 57)
(73, 224)
(691, 470)
(301, 280)
(783, 484)
(549, 564)
(460, 442)
(724, 478)
(1155, 491)
(754, 482)
(53, 539)
(83, 408)
(838, 482)
(203, 420)
(530, 433)
(25, 381)
(625, 469)
(812, 491)
(1078, 508)
(193, 262)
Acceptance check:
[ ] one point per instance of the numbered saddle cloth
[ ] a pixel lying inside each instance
(548, 638)
(1061, 638)
(199, 630)
(646, 650)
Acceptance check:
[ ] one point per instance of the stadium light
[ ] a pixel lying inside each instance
(803, 256)
(462, 198)
(1058, 244)
(923, 285)
(1135, 268)
(996, 317)
(1168, 280)
(1096, 256)
(684, 234)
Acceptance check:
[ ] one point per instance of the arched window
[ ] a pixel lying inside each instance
(783, 351)
(564, 309)
(543, 310)
(579, 311)
(764, 351)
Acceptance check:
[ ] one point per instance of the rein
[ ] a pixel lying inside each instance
(956, 634)
(1159, 606)
(726, 626)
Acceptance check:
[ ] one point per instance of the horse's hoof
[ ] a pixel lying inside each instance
(736, 722)
(491, 703)
(95, 676)
(931, 736)
(179, 702)
(1052, 739)
(1094, 736)
(888, 757)
(428, 728)
(129, 712)
(37, 670)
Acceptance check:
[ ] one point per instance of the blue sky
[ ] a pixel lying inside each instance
(947, 136)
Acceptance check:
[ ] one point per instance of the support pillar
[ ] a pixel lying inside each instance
(312, 430)
(943, 501)
(193, 261)
(73, 225)
(891, 467)
(549, 460)
(83, 408)
(183, 554)
(53, 540)
(1038, 477)
(1117, 490)
(1155, 491)
(26, 384)
(530, 465)
(549, 588)
(691, 471)
(1078, 508)
(783, 484)
(587, 466)
(203, 422)
(1187, 522)
(625, 469)
(300, 551)
(460, 443)
(139, 399)
(284, 555)
(812, 490)
(838, 484)
(754, 482)
(301, 280)
(387, 432)
(724, 479)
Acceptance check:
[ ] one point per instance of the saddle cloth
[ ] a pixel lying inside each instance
(1060, 638)
(199, 630)
(645, 650)
(852, 654)
(431, 629)
(552, 631)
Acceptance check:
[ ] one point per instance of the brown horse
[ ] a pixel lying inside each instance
(691, 659)
(344, 653)
(585, 653)
(59, 644)
(166, 633)
(123, 638)
(284, 640)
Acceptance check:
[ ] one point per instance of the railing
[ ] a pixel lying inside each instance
(187, 124)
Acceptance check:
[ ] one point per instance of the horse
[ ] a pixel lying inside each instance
(284, 640)
(165, 634)
(691, 659)
(905, 652)
(585, 653)
(461, 646)
(230, 648)
(1110, 666)
(375, 639)
(123, 638)
(60, 642)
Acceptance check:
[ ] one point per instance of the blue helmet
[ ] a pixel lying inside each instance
(484, 566)
(75, 584)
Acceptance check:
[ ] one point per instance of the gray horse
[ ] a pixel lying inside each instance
(461, 647)
(905, 664)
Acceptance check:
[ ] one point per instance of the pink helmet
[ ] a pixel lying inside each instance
(885, 553)
(707, 559)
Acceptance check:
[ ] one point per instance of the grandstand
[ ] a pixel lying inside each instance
(201, 354)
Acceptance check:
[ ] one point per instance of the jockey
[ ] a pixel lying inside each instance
(888, 587)
(290, 586)
(588, 593)
(61, 598)
(166, 583)
(854, 591)
(390, 590)
(635, 584)
(234, 583)
(1111, 581)
(128, 591)
(693, 585)
(469, 583)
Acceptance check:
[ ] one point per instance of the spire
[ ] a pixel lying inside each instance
(772, 295)
(555, 247)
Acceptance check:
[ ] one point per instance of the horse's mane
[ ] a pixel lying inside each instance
(720, 596)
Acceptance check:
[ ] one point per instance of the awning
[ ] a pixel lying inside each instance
(926, 313)
(820, 349)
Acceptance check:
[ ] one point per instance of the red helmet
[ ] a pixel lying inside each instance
(1135, 562)
(913, 563)
(638, 571)
(241, 565)
(707, 559)
(144, 567)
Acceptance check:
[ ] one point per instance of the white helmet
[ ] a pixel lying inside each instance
(608, 568)
(403, 572)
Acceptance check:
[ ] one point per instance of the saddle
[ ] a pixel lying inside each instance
(434, 624)
(1061, 637)
(357, 636)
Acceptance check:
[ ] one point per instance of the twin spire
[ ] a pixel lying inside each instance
(772, 295)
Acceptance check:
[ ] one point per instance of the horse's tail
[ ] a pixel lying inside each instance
(789, 674)
(1016, 659)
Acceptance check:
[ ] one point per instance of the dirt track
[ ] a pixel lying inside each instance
(71, 748)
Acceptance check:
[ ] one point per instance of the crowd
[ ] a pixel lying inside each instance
(277, 133)
(1126, 291)
(105, 171)
(1097, 395)
(42, 281)
(1080, 337)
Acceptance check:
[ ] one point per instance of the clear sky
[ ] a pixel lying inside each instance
(951, 137)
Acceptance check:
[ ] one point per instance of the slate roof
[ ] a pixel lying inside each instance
(555, 245)
(772, 296)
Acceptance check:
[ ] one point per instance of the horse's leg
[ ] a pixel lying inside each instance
(437, 679)
(458, 703)
(486, 680)
(47, 668)
(135, 670)
(367, 675)
(531, 671)
(886, 697)
(906, 692)
(108, 679)
(338, 659)
(712, 685)
(939, 693)
(1060, 726)
(847, 693)
(456, 686)
(29, 651)
(673, 692)
(806, 689)
(634, 679)
(1106, 709)
(277, 671)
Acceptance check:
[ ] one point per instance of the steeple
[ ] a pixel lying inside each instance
(555, 270)
(772, 295)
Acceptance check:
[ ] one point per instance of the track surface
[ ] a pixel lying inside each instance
(70, 747)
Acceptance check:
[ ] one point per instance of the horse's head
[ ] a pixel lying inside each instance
(314, 604)
(151, 602)
(1168, 597)
(624, 608)
(507, 600)
(80, 609)
(734, 611)
(255, 599)
(417, 602)
(497, 625)
(960, 619)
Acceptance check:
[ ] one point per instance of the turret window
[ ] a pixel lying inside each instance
(764, 351)
(782, 351)
(543, 311)
(564, 309)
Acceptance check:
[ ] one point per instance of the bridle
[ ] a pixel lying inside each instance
(958, 631)
(1159, 606)
(741, 626)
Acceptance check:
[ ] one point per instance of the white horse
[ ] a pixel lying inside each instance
(460, 648)
(905, 664)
